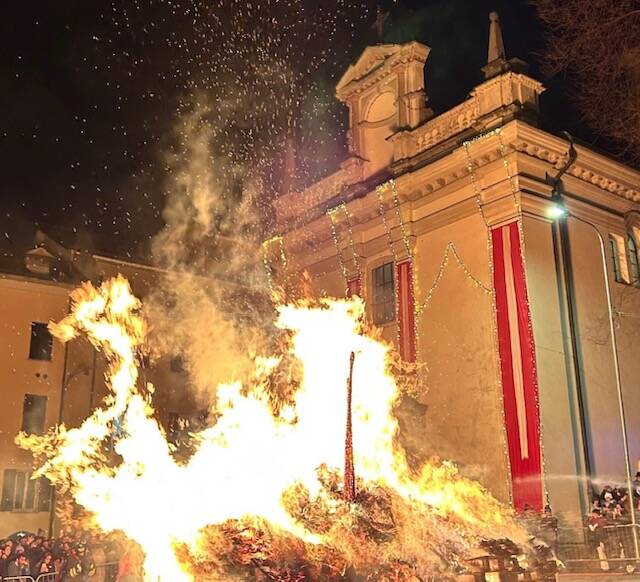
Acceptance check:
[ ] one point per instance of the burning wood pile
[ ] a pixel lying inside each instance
(301, 476)
(370, 539)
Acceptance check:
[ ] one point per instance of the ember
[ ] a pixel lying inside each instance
(271, 490)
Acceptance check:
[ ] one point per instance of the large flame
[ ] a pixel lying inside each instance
(248, 462)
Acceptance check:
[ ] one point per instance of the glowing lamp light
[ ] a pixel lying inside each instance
(556, 211)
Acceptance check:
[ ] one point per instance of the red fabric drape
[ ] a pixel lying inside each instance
(518, 368)
(405, 299)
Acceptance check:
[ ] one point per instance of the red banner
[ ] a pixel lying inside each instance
(406, 321)
(354, 287)
(518, 368)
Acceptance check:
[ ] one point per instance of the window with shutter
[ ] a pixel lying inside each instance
(8, 489)
(18, 496)
(619, 258)
(384, 299)
(30, 495)
(634, 267)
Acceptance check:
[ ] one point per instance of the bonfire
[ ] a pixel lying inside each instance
(300, 476)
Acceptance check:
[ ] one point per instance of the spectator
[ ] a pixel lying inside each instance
(68, 556)
(5, 557)
(19, 566)
(46, 565)
(81, 566)
(606, 496)
(596, 525)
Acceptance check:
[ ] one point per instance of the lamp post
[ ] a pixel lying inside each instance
(558, 211)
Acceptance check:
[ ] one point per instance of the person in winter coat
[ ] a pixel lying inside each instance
(81, 566)
(19, 567)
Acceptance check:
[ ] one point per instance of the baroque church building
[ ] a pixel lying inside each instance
(502, 257)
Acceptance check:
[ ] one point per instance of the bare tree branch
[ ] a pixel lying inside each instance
(597, 44)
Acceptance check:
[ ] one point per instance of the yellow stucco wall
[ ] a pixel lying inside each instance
(457, 342)
(463, 418)
(23, 301)
(564, 473)
(596, 359)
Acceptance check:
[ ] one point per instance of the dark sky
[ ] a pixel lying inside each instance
(92, 91)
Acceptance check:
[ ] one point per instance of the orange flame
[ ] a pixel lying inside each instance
(246, 463)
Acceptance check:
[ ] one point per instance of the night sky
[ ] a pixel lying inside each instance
(94, 93)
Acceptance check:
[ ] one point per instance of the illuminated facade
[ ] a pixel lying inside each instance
(443, 223)
(46, 382)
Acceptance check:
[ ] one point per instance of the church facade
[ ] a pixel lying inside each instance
(448, 226)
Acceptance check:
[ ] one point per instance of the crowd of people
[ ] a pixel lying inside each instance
(612, 505)
(69, 557)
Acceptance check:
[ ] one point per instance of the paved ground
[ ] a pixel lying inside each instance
(603, 577)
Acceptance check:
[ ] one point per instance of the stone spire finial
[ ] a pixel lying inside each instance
(496, 45)
(497, 62)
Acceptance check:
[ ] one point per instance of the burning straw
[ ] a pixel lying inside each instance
(264, 493)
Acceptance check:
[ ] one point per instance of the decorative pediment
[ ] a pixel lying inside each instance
(376, 62)
(372, 58)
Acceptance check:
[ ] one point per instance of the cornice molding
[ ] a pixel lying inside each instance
(590, 167)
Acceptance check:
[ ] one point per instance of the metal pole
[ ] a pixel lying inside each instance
(616, 361)
(562, 244)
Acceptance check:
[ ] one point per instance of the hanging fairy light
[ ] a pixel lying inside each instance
(352, 244)
(331, 213)
(282, 255)
(449, 251)
(478, 197)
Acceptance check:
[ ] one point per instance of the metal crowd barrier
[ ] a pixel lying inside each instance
(110, 572)
(609, 549)
(41, 578)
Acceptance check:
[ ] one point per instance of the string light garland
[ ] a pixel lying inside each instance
(380, 190)
(352, 244)
(409, 251)
(510, 177)
(514, 192)
(380, 193)
(331, 213)
(494, 331)
(266, 246)
(449, 251)
(520, 227)
(403, 229)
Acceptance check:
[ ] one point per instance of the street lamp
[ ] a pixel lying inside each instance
(558, 211)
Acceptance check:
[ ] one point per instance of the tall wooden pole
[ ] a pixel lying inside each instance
(349, 472)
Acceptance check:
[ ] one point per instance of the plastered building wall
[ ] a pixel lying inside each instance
(24, 302)
(596, 360)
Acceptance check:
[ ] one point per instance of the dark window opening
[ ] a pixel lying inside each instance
(41, 344)
(22, 493)
(384, 299)
(34, 410)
